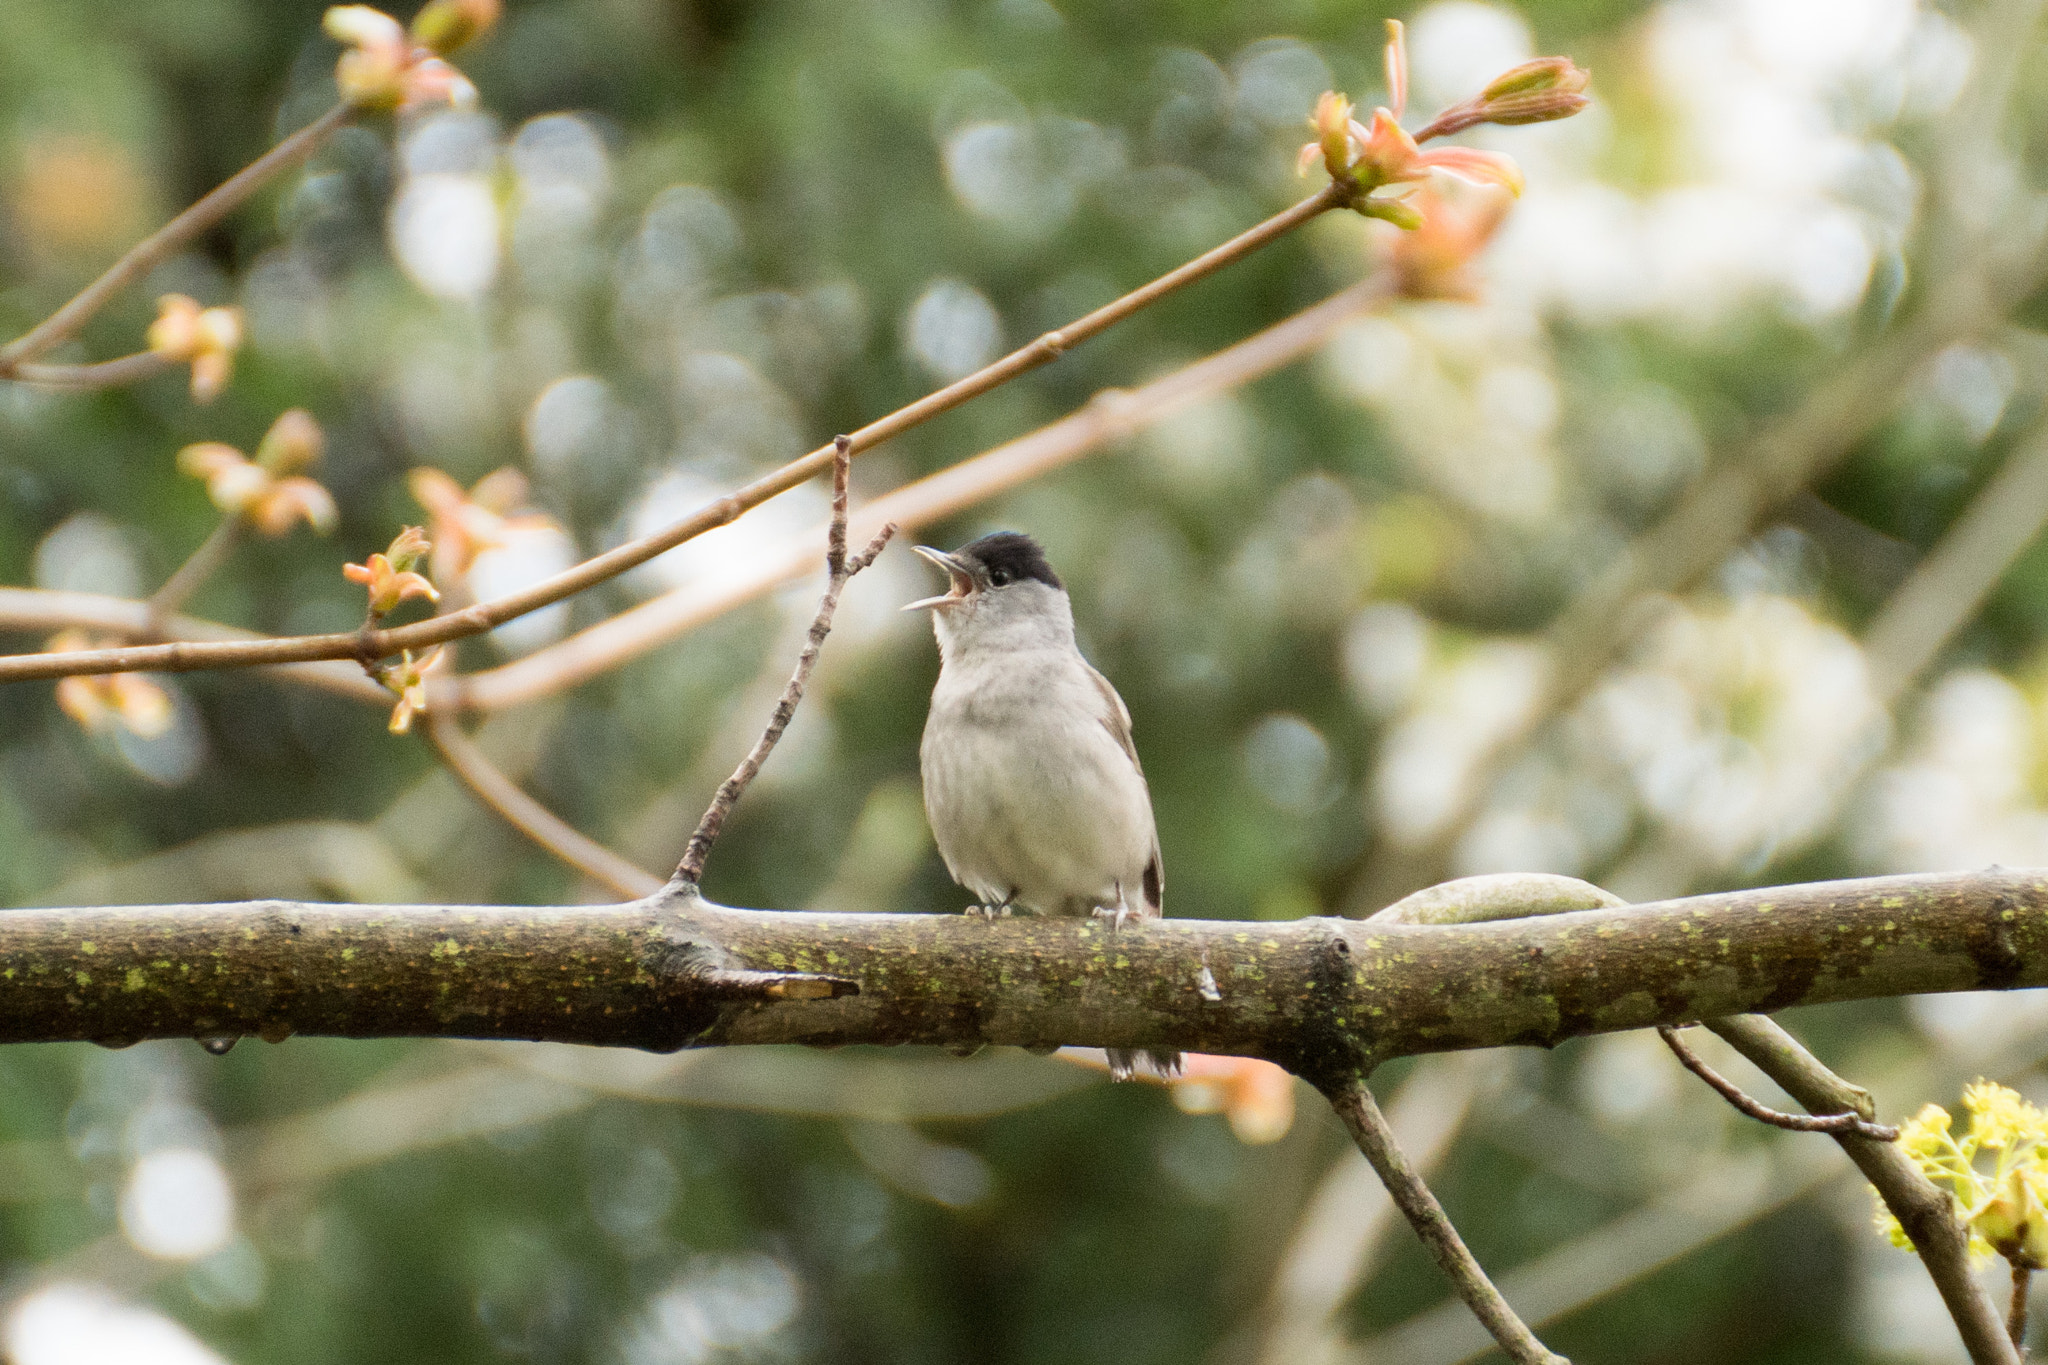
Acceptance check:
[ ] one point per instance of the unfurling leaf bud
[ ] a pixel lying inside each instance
(292, 444)
(445, 25)
(408, 548)
(1543, 74)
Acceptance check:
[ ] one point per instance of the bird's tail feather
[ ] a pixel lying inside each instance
(1124, 1062)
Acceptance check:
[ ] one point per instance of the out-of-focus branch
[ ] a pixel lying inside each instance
(476, 619)
(1941, 595)
(840, 569)
(152, 250)
(1694, 537)
(199, 566)
(1111, 415)
(104, 374)
(1925, 1211)
(1368, 1127)
(1977, 270)
(45, 609)
(530, 817)
(1948, 587)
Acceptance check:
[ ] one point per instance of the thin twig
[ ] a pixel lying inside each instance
(839, 571)
(184, 657)
(103, 374)
(492, 787)
(199, 566)
(144, 256)
(1849, 1122)
(1369, 1129)
(1926, 1213)
(2016, 1315)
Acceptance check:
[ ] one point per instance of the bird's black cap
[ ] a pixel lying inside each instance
(1010, 556)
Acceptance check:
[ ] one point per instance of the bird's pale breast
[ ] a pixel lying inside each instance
(1032, 794)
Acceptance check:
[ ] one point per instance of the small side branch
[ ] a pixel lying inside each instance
(1926, 1212)
(1849, 1122)
(840, 569)
(1375, 1138)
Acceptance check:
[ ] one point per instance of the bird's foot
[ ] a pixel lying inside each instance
(990, 913)
(1115, 917)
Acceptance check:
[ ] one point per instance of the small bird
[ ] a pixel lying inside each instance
(1031, 780)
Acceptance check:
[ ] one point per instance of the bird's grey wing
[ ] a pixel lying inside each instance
(1116, 718)
(1114, 715)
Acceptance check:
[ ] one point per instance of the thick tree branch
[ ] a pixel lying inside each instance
(1327, 998)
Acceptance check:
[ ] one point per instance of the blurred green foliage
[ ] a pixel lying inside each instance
(761, 224)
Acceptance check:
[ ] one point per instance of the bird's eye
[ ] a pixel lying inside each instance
(998, 577)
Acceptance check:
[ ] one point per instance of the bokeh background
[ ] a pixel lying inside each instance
(679, 243)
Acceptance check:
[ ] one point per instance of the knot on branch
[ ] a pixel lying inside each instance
(703, 980)
(1330, 1048)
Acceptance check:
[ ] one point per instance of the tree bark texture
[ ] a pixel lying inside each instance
(1328, 998)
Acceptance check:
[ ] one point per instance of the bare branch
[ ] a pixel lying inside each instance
(530, 817)
(1368, 1127)
(104, 374)
(1926, 1212)
(145, 255)
(181, 656)
(1849, 1122)
(839, 570)
(42, 609)
(1326, 998)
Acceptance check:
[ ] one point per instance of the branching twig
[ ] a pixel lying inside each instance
(199, 566)
(840, 569)
(145, 255)
(490, 786)
(1847, 1122)
(1926, 1212)
(1368, 1127)
(183, 657)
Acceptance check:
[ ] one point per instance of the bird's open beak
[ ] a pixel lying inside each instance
(962, 580)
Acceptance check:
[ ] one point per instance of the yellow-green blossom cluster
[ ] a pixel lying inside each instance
(2005, 1207)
